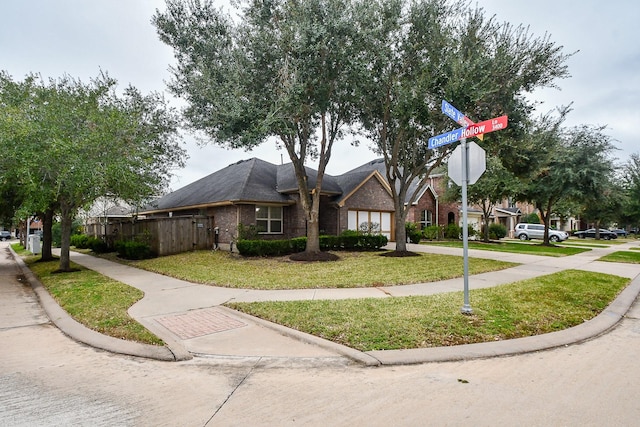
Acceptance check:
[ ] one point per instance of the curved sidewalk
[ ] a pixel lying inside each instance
(190, 319)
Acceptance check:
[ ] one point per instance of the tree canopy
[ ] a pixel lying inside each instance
(421, 53)
(283, 72)
(71, 142)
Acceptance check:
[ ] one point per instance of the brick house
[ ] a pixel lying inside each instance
(258, 193)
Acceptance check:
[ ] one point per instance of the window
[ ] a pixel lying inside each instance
(426, 219)
(269, 219)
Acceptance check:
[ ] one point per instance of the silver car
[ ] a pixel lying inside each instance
(536, 231)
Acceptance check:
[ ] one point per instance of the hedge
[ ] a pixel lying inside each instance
(133, 250)
(347, 241)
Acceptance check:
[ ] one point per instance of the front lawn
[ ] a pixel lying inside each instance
(515, 247)
(530, 307)
(354, 269)
(622, 256)
(96, 301)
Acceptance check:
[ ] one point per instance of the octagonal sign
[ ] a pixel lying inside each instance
(477, 163)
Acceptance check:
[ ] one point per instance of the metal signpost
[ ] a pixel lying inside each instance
(472, 161)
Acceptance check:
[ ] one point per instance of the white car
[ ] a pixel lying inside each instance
(536, 231)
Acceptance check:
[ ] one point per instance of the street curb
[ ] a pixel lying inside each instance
(588, 330)
(75, 330)
(343, 350)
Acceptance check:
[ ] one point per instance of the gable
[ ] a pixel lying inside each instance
(372, 192)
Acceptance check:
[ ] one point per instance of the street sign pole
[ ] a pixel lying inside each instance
(469, 173)
(466, 308)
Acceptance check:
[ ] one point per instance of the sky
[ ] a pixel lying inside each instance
(80, 38)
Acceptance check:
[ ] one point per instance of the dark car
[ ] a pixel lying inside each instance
(620, 232)
(5, 235)
(604, 234)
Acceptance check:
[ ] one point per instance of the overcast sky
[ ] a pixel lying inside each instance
(80, 38)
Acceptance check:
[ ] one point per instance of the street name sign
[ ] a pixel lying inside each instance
(497, 123)
(457, 116)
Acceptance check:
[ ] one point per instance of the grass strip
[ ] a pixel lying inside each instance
(94, 300)
(354, 269)
(529, 307)
(515, 247)
(622, 256)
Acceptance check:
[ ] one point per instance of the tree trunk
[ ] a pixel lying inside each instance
(47, 235)
(401, 231)
(313, 234)
(66, 222)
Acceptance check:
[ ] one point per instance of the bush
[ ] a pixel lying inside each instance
(264, 247)
(349, 241)
(431, 232)
(413, 234)
(98, 245)
(80, 241)
(452, 231)
(130, 249)
(299, 244)
(497, 231)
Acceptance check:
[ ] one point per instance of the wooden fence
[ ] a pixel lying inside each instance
(166, 236)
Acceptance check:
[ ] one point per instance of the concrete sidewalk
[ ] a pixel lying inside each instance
(190, 319)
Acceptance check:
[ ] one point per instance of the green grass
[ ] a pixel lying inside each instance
(516, 247)
(622, 256)
(94, 300)
(354, 269)
(530, 307)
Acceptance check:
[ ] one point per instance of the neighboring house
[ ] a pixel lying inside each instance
(258, 193)
(104, 214)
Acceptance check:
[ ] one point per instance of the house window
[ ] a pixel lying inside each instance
(269, 219)
(426, 219)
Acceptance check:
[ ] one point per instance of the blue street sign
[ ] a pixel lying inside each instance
(445, 138)
(453, 112)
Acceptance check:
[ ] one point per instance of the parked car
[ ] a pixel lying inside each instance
(5, 235)
(536, 231)
(620, 232)
(591, 232)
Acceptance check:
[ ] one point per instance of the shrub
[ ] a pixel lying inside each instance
(431, 232)
(98, 245)
(247, 232)
(264, 247)
(299, 244)
(330, 243)
(349, 240)
(413, 234)
(452, 231)
(131, 249)
(80, 241)
(497, 231)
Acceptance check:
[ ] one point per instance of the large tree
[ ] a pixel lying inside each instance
(566, 164)
(630, 179)
(73, 142)
(420, 53)
(282, 72)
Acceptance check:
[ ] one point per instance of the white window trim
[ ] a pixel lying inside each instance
(269, 219)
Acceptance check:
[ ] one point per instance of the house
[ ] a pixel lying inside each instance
(259, 193)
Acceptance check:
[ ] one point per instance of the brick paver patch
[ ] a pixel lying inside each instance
(199, 322)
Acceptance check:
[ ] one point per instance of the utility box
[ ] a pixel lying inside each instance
(33, 244)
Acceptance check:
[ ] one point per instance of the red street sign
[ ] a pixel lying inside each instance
(486, 126)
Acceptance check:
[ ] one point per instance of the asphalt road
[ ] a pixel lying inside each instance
(47, 379)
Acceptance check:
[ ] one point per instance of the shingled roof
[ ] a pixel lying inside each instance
(252, 180)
